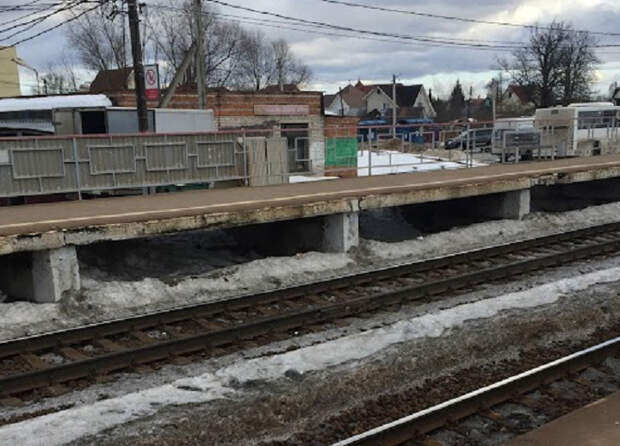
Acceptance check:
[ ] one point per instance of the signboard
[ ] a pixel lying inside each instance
(151, 81)
(281, 110)
(522, 139)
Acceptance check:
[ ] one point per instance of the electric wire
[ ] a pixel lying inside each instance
(428, 40)
(460, 19)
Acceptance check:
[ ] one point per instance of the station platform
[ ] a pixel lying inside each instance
(595, 425)
(28, 219)
(50, 233)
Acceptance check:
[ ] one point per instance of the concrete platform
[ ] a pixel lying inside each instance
(54, 225)
(595, 425)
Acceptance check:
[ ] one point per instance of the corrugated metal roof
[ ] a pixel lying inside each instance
(53, 102)
(27, 124)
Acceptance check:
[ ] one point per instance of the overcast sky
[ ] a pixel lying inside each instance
(336, 60)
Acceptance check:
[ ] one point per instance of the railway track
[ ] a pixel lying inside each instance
(42, 365)
(417, 429)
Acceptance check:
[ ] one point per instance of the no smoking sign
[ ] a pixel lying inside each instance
(151, 80)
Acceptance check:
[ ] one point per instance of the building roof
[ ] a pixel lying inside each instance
(362, 87)
(328, 99)
(616, 93)
(111, 80)
(522, 92)
(54, 102)
(353, 96)
(406, 95)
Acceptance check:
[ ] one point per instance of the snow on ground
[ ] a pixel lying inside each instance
(102, 299)
(308, 179)
(495, 232)
(386, 162)
(71, 424)
(105, 298)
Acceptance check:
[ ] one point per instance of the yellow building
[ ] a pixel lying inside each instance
(9, 75)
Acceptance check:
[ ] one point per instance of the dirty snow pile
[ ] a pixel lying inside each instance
(71, 424)
(107, 297)
(111, 299)
(494, 232)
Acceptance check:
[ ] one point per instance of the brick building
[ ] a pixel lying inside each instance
(298, 115)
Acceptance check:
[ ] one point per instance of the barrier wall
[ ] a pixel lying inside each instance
(37, 166)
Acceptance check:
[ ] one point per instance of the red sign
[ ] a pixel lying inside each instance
(151, 81)
(281, 110)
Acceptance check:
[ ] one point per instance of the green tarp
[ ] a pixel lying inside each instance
(341, 152)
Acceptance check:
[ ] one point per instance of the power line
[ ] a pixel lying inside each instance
(18, 7)
(427, 40)
(37, 20)
(58, 25)
(241, 18)
(292, 25)
(455, 18)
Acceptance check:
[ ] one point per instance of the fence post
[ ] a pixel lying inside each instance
(77, 168)
(468, 152)
(244, 151)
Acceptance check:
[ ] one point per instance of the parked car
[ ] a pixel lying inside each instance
(471, 139)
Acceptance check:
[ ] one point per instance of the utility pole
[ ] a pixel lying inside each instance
(138, 66)
(200, 56)
(393, 106)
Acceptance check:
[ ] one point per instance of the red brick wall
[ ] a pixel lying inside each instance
(229, 104)
(341, 127)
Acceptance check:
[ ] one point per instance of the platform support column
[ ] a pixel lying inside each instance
(341, 232)
(55, 273)
(513, 205)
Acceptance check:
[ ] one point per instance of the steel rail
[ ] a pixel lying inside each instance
(110, 362)
(150, 320)
(423, 422)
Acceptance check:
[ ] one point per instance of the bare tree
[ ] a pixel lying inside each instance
(263, 63)
(556, 66)
(288, 70)
(578, 65)
(99, 39)
(256, 68)
(222, 43)
(234, 57)
(61, 77)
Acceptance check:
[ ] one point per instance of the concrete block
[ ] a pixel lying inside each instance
(55, 273)
(515, 205)
(512, 205)
(341, 232)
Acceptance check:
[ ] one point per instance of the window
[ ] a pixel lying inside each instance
(298, 143)
(597, 119)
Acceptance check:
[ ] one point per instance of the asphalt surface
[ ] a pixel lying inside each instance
(27, 219)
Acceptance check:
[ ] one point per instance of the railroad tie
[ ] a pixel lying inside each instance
(72, 354)
(109, 346)
(35, 362)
